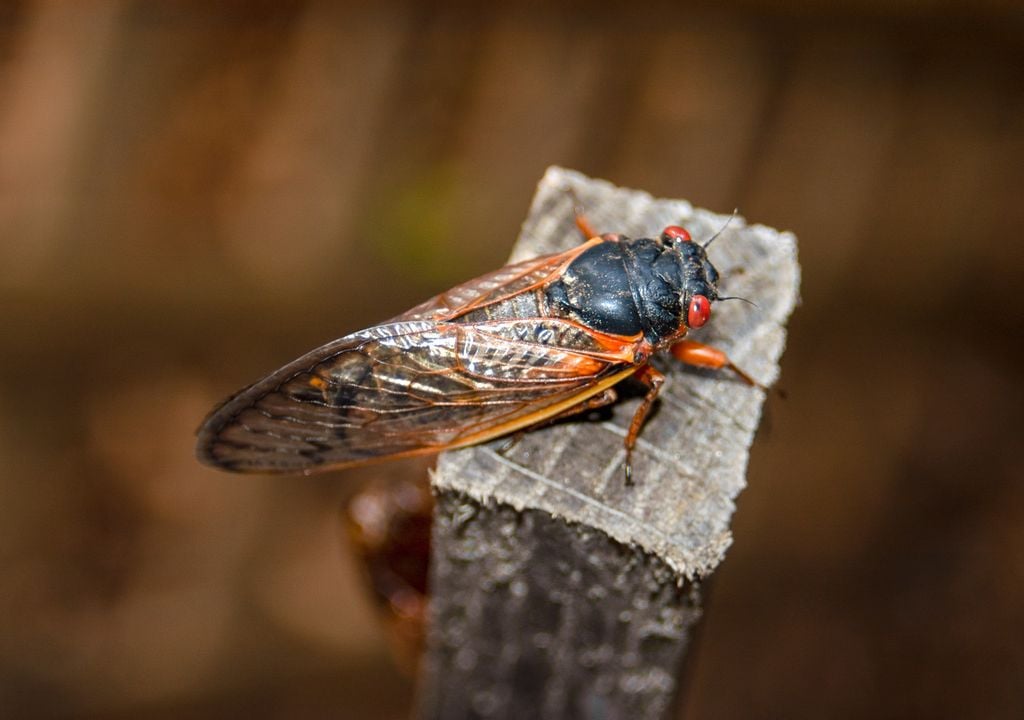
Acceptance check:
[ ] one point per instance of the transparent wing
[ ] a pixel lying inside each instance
(408, 387)
(515, 279)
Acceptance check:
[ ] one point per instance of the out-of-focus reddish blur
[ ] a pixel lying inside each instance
(193, 193)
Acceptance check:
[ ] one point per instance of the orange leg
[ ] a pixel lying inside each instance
(653, 380)
(584, 225)
(701, 355)
(581, 220)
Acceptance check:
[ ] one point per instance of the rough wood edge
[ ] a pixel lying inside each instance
(557, 591)
(691, 459)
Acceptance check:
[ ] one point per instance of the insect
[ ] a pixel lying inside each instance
(532, 342)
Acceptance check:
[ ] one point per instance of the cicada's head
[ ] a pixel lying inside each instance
(699, 279)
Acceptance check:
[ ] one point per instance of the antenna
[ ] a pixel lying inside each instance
(731, 218)
(736, 297)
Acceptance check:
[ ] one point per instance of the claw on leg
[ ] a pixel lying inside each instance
(652, 380)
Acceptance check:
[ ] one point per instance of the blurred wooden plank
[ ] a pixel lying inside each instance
(557, 590)
(292, 202)
(827, 146)
(536, 85)
(407, 193)
(959, 134)
(701, 109)
(46, 108)
(184, 94)
(881, 145)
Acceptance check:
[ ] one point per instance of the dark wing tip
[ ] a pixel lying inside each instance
(216, 449)
(213, 448)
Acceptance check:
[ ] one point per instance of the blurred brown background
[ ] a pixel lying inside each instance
(193, 193)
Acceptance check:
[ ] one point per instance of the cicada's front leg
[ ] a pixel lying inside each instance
(706, 356)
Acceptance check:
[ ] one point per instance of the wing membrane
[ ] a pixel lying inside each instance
(404, 388)
(494, 286)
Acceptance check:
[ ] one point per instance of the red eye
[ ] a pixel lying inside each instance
(674, 232)
(699, 312)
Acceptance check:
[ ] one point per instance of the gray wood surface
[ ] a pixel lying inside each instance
(558, 591)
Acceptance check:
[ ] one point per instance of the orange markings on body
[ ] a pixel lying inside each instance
(588, 366)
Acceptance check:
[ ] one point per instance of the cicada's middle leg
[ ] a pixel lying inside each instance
(650, 378)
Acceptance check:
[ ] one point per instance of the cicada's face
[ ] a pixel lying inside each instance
(698, 284)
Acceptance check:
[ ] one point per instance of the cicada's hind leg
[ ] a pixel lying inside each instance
(605, 397)
(581, 219)
(583, 224)
(652, 380)
(706, 356)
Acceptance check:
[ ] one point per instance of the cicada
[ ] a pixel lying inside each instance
(532, 342)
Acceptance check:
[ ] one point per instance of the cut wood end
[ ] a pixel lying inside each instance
(690, 462)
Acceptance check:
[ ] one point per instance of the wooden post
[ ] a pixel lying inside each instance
(557, 590)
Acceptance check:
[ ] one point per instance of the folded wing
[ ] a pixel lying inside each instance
(403, 388)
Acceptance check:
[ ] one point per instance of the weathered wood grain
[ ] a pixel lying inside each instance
(558, 590)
